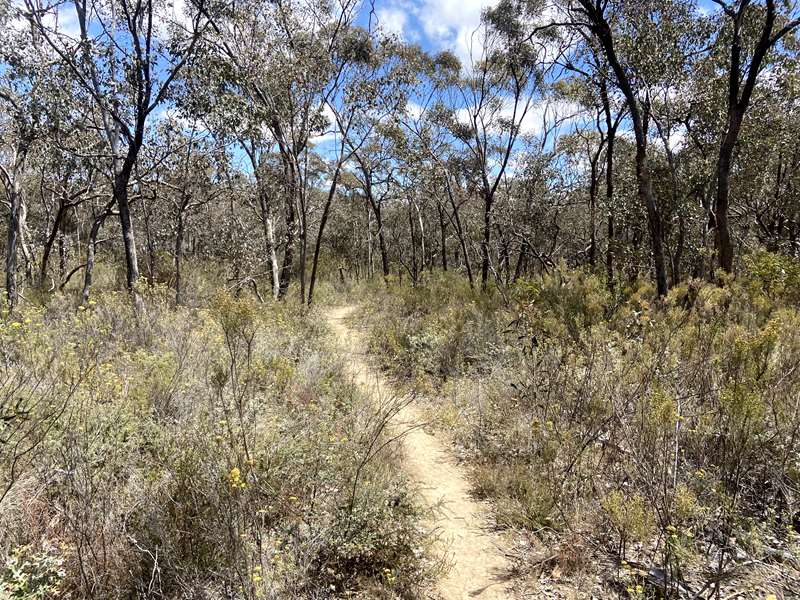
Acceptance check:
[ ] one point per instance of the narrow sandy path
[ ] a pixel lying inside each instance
(478, 567)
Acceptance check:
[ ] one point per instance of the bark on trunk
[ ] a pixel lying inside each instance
(91, 248)
(291, 226)
(487, 238)
(318, 243)
(178, 258)
(443, 236)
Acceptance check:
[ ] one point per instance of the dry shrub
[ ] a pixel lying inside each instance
(664, 432)
(195, 453)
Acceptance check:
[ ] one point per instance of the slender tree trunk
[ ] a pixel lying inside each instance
(24, 234)
(55, 234)
(11, 246)
(463, 243)
(303, 245)
(722, 235)
(647, 197)
(291, 231)
(15, 204)
(421, 235)
(678, 257)
(414, 272)
(120, 196)
(382, 244)
(62, 255)
(269, 239)
(593, 215)
(487, 238)
(318, 243)
(149, 242)
(602, 30)
(611, 135)
(273, 258)
(370, 265)
(443, 236)
(179, 258)
(91, 248)
(376, 210)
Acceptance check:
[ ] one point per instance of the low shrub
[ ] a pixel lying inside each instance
(664, 432)
(206, 452)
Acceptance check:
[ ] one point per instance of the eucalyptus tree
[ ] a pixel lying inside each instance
(588, 62)
(281, 57)
(751, 30)
(373, 75)
(67, 180)
(187, 172)
(429, 123)
(372, 134)
(495, 95)
(126, 56)
(643, 42)
(28, 99)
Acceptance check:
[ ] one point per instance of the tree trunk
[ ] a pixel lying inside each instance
(303, 244)
(269, 239)
(291, 226)
(376, 210)
(722, 235)
(443, 236)
(462, 241)
(487, 238)
(604, 35)
(55, 233)
(15, 204)
(11, 246)
(647, 197)
(62, 255)
(91, 248)
(120, 196)
(178, 258)
(318, 243)
(24, 233)
(593, 214)
(611, 134)
(273, 258)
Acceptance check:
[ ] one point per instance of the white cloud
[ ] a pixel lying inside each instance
(394, 20)
(539, 117)
(330, 134)
(452, 24)
(60, 18)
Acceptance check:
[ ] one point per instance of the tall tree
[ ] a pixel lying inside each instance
(748, 56)
(126, 58)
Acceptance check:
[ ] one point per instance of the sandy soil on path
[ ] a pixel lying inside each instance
(478, 567)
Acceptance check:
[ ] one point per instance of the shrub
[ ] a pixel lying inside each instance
(664, 431)
(195, 452)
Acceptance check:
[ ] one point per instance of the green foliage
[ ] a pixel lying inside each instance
(31, 576)
(661, 430)
(196, 452)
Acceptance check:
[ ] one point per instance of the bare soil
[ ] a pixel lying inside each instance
(478, 567)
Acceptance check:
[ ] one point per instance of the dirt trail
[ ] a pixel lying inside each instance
(478, 566)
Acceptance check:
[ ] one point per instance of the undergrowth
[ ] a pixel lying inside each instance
(205, 452)
(662, 435)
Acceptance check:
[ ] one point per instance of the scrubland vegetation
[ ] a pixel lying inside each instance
(210, 452)
(571, 229)
(653, 441)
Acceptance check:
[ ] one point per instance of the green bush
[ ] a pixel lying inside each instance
(194, 452)
(664, 431)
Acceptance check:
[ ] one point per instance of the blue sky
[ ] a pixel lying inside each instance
(434, 24)
(444, 24)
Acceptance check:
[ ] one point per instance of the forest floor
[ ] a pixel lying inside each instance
(476, 564)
